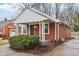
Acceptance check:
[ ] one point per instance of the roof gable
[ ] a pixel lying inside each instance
(32, 15)
(45, 15)
(29, 16)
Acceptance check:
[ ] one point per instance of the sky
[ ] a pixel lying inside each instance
(7, 11)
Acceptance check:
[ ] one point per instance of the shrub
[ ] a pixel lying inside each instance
(23, 42)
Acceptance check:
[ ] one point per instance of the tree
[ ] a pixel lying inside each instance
(57, 9)
(76, 21)
(22, 7)
(68, 11)
(43, 7)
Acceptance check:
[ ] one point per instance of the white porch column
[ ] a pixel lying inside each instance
(55, 31)
(17, 29)
(58, 31)
(42, 32)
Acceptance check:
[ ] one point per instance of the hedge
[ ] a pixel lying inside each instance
(24, 42)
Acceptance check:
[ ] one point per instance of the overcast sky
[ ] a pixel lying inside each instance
(7, 11)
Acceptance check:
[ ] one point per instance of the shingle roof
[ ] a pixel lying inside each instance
(32, 15)
(4, 23)
(45, 15)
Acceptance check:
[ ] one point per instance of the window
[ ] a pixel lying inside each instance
(46, 28)
(22, 29)
(0, 30)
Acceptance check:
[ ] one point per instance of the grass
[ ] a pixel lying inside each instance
(2, 42)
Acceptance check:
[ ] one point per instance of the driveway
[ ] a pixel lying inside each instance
(6, 51)
(69, 48)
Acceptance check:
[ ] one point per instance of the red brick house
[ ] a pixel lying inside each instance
(33, 22)
(6, 28)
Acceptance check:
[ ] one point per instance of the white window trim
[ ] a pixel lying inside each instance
(48, 27)
(21, 25)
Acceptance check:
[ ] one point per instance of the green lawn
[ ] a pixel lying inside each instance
(2, 42)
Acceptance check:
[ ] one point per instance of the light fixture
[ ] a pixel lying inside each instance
(35, 26)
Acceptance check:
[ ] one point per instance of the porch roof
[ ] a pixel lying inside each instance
(32, 15)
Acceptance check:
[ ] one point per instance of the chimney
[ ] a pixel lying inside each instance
(5, 19)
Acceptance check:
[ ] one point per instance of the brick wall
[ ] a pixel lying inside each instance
(64, 32)
(6, 29)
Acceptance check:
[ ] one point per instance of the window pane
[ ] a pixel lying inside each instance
(46, 28)
(20, 29)
(0, 30)
(24, 29)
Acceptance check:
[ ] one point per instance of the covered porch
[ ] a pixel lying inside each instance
(45, 30)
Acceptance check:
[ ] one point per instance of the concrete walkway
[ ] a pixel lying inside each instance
(69, 48)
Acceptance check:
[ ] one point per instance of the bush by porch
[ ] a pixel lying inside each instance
(23, 42)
